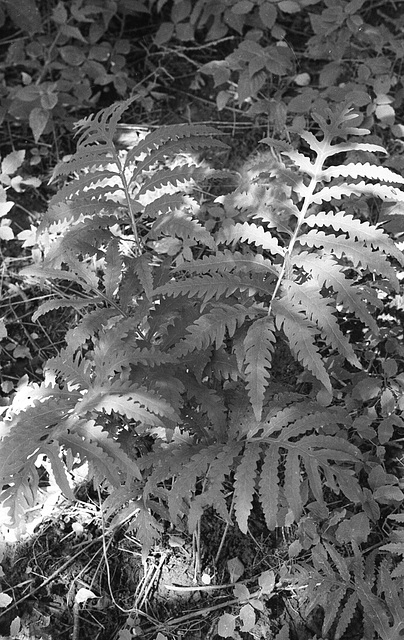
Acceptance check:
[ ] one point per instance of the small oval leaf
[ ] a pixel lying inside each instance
(38, 119)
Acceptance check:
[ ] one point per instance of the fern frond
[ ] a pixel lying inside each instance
(357, 230)
(180, 493)
(218, 472)
(332, 589)
(359, 254)
(150, 357)
(269, 486)
(30, 426)
(178, 223)
(91, 443)
(21, 496)
(72, 367)
(392, 590)
(244, 484)
(173, 139)
(319, 311)
(52, 452)
(74, 303)
(173, 178)
(91, 324)
(214, 286)
(284, 411)
(319, 455)
(376, 611)
(94, 160)
(212, 327)
(301, 337)
(339, 561)
(226, 260)
(103, 124)
(45, 273)
(67, 212)
(328, 273)
(147, 529)
(221, 467)
(259, 346)
(384, 192)
(134, 401)
(354, 170)
(292, 482)
(332, 610)
(210, 403)
(271, 204)
(346, 614)
(143, 270)
(41, 428)
(113, 268)
(251, 233)
(396, 546)
(163, 204)
(165, 462)
(314, 419)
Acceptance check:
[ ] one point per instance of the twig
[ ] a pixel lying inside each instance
(219, 551)
(202, 587)
(140, 600)
(200, 612)
(76, 621)
(51, 577)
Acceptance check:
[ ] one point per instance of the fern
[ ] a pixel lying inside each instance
(182, 322)
(396, 545)
(307, 267)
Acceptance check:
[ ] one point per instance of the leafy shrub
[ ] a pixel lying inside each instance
(291, 57)
(346, 54)
(49, 75)
(277, 60)
(183, 306)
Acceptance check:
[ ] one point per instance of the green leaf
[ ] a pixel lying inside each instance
(59, 13)
(267, 13)
(289, 6)
(25, 15)
(356, 528)
(266, 582)
(12, 162)
(3, 329)
(5, 600)
(164, 33)
(226, 625)
(248, 618)
(38, 119)
(242, 7)
(72, 32)
(181, 10)
(72, 55)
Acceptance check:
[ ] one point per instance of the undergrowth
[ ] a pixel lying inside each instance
(183, 300)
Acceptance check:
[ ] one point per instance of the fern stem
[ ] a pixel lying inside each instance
(226, 528)
(125, 187)
(288, 253)
(113, 304)
(197, 551)
(318, 165)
